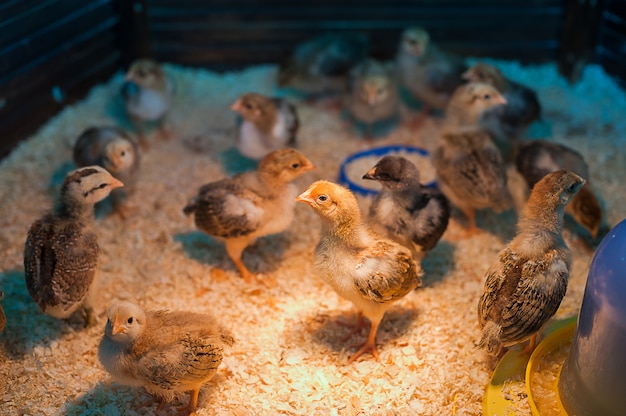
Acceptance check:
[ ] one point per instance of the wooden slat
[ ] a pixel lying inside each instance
(179, 4)
(58, 36)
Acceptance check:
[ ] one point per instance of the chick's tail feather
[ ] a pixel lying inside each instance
(191, 206)
(490, 339)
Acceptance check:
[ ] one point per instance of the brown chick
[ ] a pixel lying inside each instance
(61, 250)
(250, 205)
(368, 270)
(3, 318)
(166, 352)
(428, 73)
(147, 93)
(114, 150)
(506, 123)
(470, 170)
(537, 158)
(268, 124)
(525, 286)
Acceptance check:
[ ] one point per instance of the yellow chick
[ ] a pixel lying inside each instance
(363, 267)
(166, 352)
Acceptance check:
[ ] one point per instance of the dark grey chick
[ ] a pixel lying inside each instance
(406, 211)
(114, 150)
(61, 250)
(525, 286)
(537, 158)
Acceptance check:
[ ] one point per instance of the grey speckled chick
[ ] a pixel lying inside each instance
(372, 96)
(320, 66)
(268, 124)
(537, 158)
(250, 205)
(61, 250)
(525, 286)
(147, 93)
(114, 150)
(506, 123)
(166, 352)
(363, 267)
(406, 211)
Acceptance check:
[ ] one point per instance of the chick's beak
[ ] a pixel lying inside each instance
(236, 106)
(501, 100)
(116, 328)
(308, 167)
(370, 174)
(305, 197)
(115, 183)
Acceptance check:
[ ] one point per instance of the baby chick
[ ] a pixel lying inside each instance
(428, 73)
(511, 121)
(406, 211)
(372, 97)
(368, 270)
(61, 250)
(320, 66)
(268, 124)
(470, 169)
(537, 158)
(250, 205)
(166, 352)
(525, 286)
(147, 94)
(114, 150)
(3, 318)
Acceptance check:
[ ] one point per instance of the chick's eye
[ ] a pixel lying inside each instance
(487, 96)
(572, 187)
(142, 73)
(295, 165)
(248, 106)
(322, 198)
(130, 320)
(123, 153)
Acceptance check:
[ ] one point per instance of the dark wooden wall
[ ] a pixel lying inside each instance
(53, 51)
(611, 43)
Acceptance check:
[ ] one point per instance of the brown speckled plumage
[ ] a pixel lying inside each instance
(537, 158)
(406, 211)
(241, 209)
(362, 266)
(61, 250)
(164, 351)
(525, 286)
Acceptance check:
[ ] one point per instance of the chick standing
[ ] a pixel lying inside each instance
(112, 149)
(428, 73)
(320, 66)
(362, 267)
(537, 158)
(372, 97)
(147, 93)
(406, 211)
(61, 250)
(250, 205)
(526, 285)
(268, 124)
(164, 351)
(470, 168)
(506, 123)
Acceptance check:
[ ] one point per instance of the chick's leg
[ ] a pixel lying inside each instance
(235, 248)
(370, 344)
(193, 401)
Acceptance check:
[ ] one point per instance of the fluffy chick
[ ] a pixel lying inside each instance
(470, 169)
(268, 124)
(114, 150)
(320, 66)
(428, 73)
(147, 93)
(370, 271)
(166, 352)
(372, 96)
(61, 250)
(525, 286)
(406, 211)
(250, 205)
(523, 108)
(537, 158)
(3, 318)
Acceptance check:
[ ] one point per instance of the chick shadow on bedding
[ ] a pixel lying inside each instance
(331, 329)
(263, 256)
(234, 162)
(437, 263)
(502, 225)
(27, 326)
